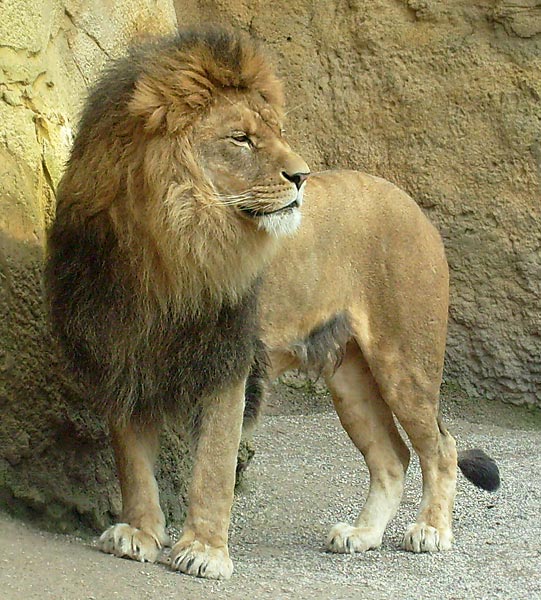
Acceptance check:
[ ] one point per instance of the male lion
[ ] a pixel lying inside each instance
(179, 192)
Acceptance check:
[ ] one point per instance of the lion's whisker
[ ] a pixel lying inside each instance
(235, 202)
(244, 194)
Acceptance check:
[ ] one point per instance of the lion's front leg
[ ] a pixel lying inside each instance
(202, 549)
(141, 533)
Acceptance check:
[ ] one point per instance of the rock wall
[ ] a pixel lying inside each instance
(55, 461)
(442, 98)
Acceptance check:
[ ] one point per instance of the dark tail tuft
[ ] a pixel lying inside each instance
(480, 469)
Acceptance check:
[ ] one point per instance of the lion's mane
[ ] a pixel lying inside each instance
(146, 290)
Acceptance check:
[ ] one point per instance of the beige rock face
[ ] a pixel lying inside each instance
(55, 463)
(443, 98)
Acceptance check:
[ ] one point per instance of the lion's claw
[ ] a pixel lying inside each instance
(201, 560)
(346, 539)
(421, 537)
(126, 541)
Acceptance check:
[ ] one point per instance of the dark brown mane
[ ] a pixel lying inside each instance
(141, 304)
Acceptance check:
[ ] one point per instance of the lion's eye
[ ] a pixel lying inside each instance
(241, 138)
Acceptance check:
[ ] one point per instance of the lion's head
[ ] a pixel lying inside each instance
(242, 152)
(217, 93)
(181, 145)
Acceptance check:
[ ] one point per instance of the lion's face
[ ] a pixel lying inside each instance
(240, 147)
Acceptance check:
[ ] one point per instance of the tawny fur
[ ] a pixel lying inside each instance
(367, 254)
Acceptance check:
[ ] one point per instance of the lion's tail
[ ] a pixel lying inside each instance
(480, 469)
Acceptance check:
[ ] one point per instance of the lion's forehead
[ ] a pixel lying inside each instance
(249, 114)
(270, 118)
(262, 125)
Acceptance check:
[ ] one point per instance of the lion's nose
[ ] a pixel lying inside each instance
(297, 178)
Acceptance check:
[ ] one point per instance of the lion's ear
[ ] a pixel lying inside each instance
(149, 104)
(165, 105)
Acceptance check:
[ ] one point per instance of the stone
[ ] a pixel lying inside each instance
(441, 98)
(56, 466)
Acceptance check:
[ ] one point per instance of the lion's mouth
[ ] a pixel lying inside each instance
(259, 213)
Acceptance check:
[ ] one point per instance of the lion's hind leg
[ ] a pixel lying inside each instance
(141, 535)
(370, 425)
(436, 448)
(414, 399)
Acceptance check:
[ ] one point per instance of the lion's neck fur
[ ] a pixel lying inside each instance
(193, 253)
(184, 249)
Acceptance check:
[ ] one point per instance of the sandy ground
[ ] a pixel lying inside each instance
(305, 477)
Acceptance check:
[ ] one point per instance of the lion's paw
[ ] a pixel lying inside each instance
(421, 537)
(346, 539)
(128, 542)
(201, 560)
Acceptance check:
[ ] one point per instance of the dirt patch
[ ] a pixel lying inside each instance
(305, 477)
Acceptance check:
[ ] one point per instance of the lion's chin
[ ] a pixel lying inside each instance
(280, 224)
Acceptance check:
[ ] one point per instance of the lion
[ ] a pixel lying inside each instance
(185, 268)
(360, 296)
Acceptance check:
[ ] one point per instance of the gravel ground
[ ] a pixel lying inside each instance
(305, 477)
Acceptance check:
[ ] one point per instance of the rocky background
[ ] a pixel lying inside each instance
(55, 462)
(442, 98)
